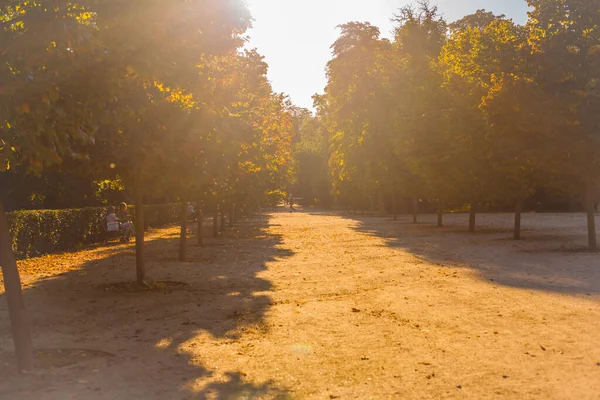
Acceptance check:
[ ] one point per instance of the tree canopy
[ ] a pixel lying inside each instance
(478, 111)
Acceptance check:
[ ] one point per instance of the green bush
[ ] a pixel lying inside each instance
(36, 233)
(156, 216)
(274, 197)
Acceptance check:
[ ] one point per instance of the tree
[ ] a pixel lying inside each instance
(476, 60)
(354, 87)
(158, 66)
(479, 20)
(72, 71)
(40, 124)
(565, 60)
(422, 138)
(311, 156)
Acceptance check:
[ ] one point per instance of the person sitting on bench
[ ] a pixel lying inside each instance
(112, 221)
(126, 225)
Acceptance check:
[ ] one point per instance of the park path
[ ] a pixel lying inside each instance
(320, 306)
(360, 318)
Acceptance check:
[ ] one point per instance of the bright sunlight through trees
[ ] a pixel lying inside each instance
(276, 199)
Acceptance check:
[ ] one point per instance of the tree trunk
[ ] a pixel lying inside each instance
(17, 311)
(381, 204)
(231, 215)
(472, 215)
(415, 209)
(394, 209)
(440, 213)
(184, 226)
(200, 217)
(216, 222)
(518, 210)
(591, 216)
(223, 218)
(139, 231)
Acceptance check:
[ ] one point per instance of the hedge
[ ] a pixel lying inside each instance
(35, 233)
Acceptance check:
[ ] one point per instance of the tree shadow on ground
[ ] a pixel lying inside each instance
(549, 259)
(153, 335)
(235, 388)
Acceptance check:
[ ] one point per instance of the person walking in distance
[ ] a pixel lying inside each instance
(291, 202)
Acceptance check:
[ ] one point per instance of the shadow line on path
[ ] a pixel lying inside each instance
(550, 258)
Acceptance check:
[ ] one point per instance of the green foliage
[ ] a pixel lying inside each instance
(354, 98)
(480, 110)
(109, 191)
(159, 93)
(565, 64)
(480, 20)
(310, 156)
(58, 187)
(156, 216)
(41, 232)
(36, 233)
(274, 197)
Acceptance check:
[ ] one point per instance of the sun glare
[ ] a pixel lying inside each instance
(295, 36)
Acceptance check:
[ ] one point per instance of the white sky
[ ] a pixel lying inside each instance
(295, 35)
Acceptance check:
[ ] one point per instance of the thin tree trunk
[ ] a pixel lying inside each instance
(231, 215)
(472, 215)
(394, 209)
(381, 204)
(440, 213)
(139, 231)
(415, 209)
(223, 218)
(19, 323)
(216, 222)
(184, 227)
(518, 211)
(591, 216)
(200, 217)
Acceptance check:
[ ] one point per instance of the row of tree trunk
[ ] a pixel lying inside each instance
(20, 326)
(218, 216)
(14, 294)
(474, 206)
(590, 210)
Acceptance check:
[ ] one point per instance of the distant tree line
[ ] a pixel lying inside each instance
(479, 114)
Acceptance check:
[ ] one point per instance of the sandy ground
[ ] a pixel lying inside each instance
(321, 306)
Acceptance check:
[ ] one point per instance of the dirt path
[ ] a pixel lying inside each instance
(318, 306)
